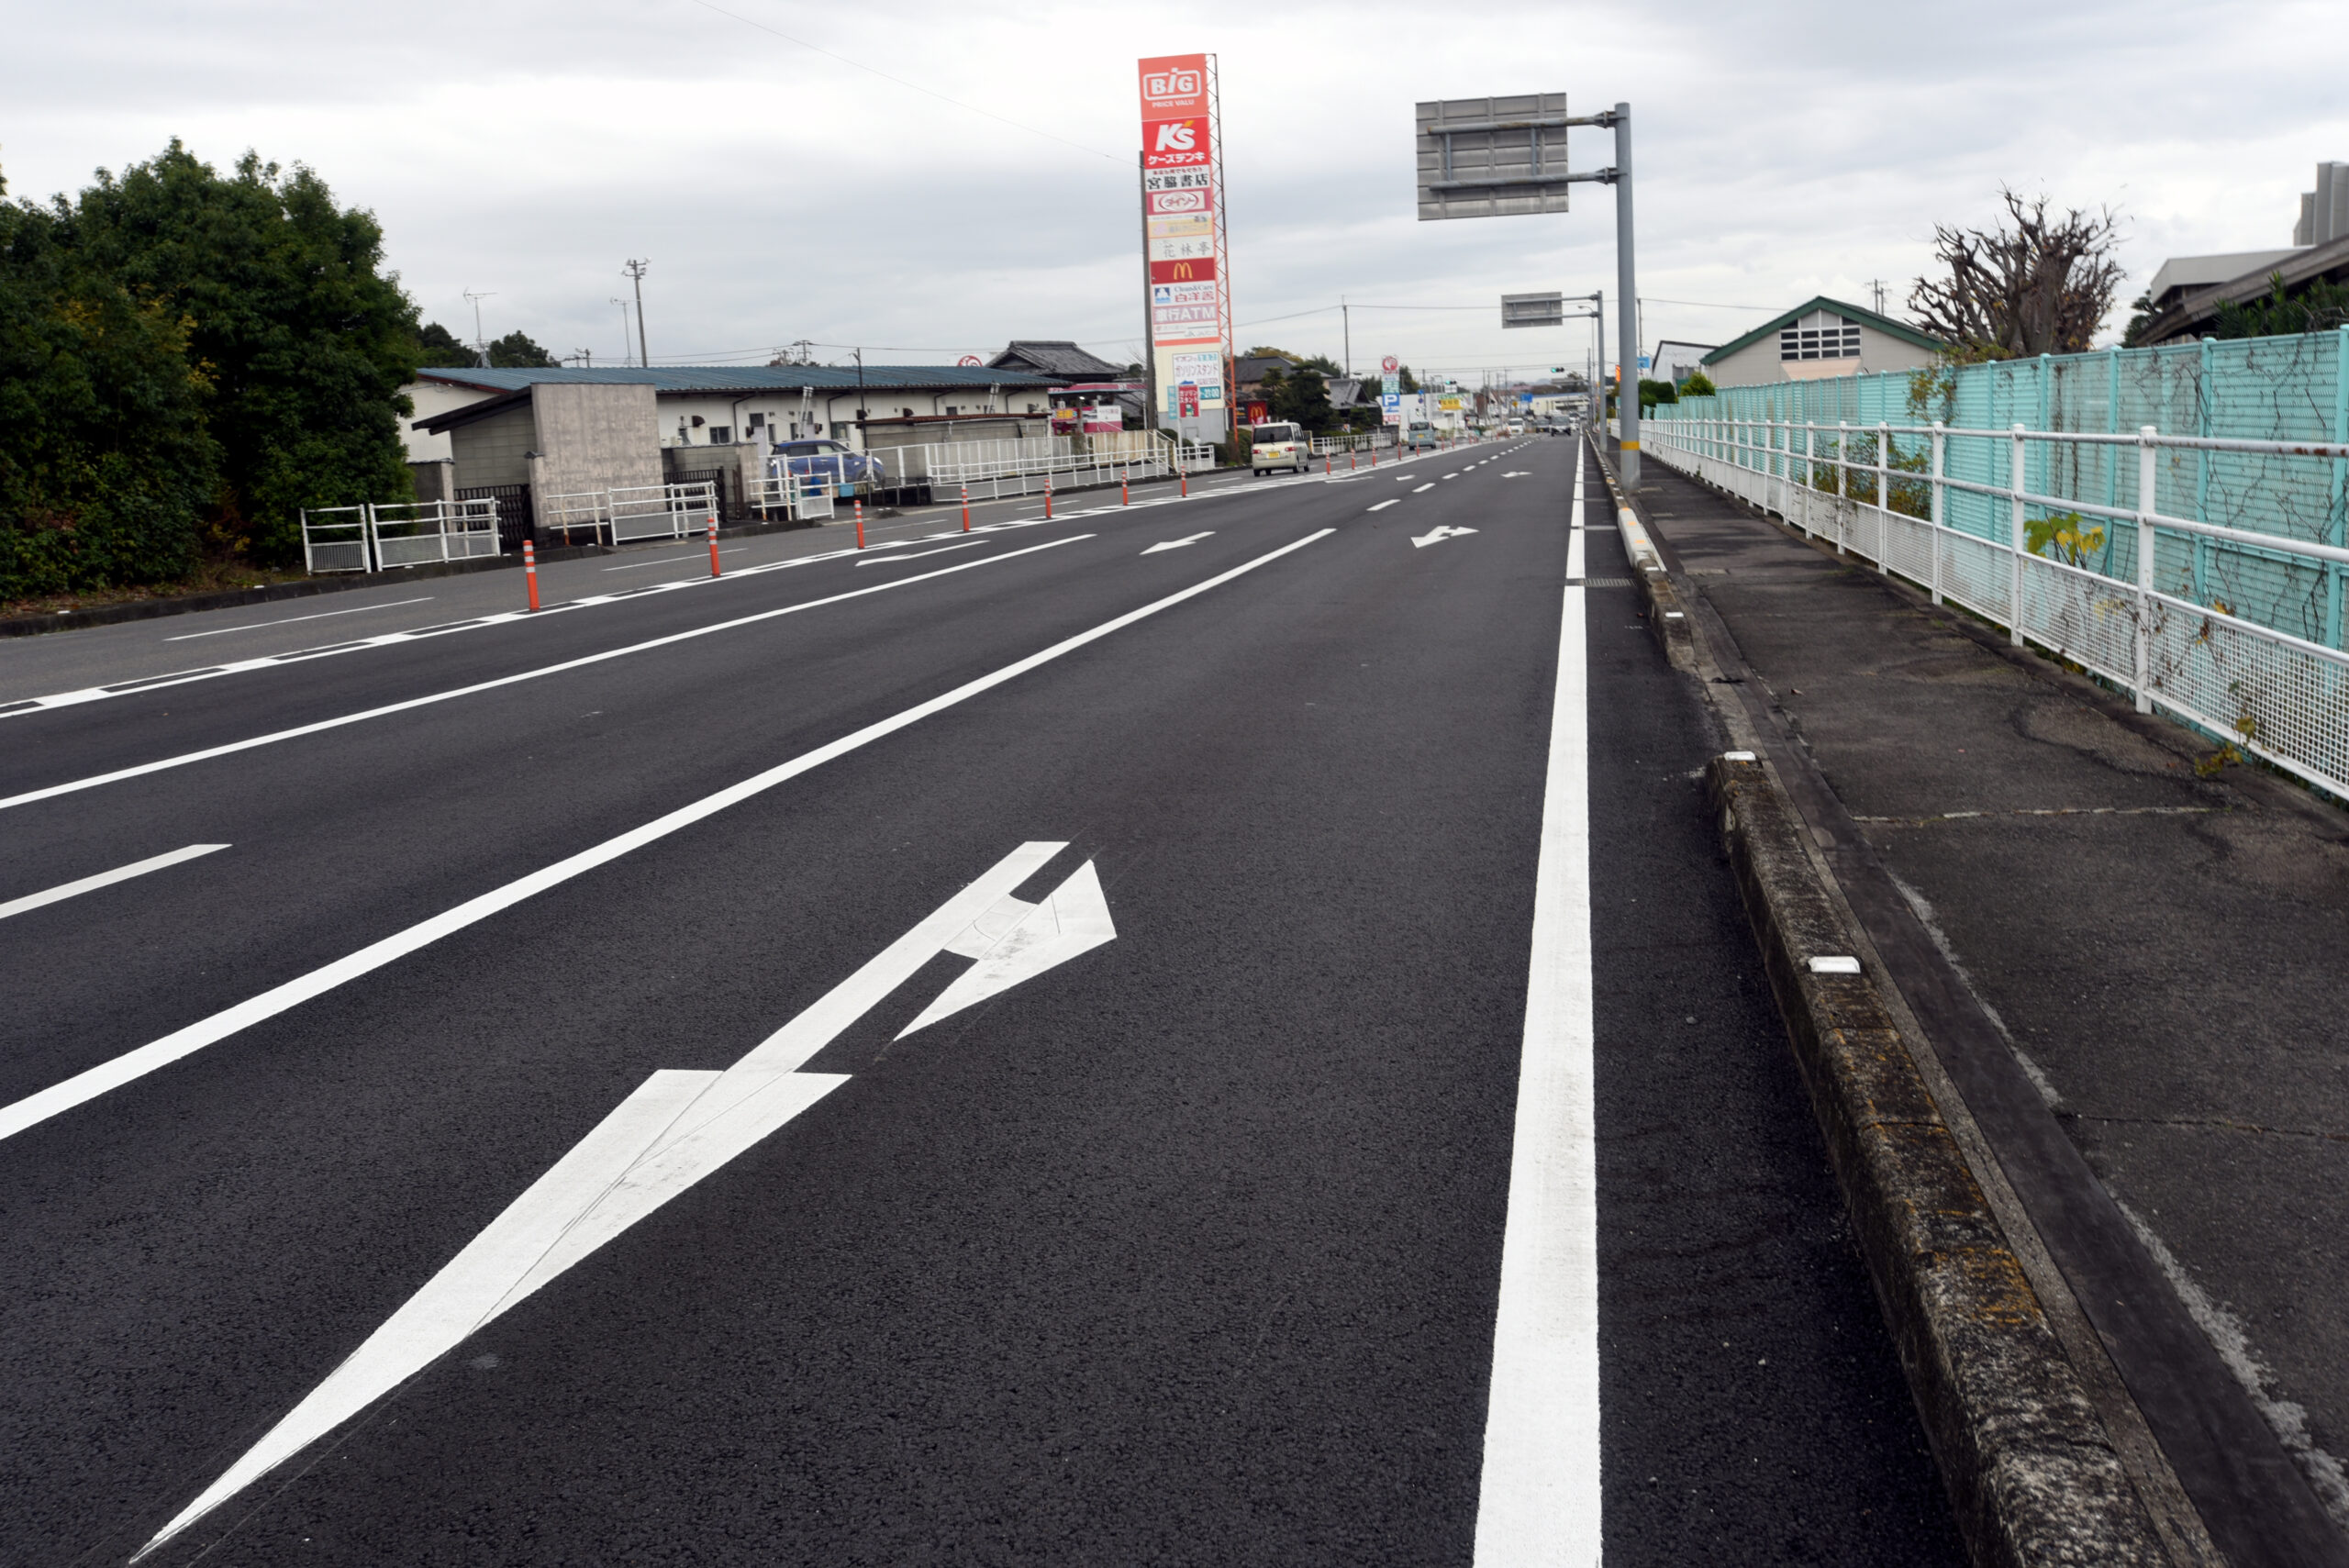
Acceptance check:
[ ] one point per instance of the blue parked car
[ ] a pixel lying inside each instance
(828, 460)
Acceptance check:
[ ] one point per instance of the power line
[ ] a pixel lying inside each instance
(901, 81)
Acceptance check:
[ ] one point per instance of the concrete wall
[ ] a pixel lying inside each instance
(591, 437)
(1759, 362)
(435, 480)
(493, 451)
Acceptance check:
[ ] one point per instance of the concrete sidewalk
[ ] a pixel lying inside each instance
(2159, 951)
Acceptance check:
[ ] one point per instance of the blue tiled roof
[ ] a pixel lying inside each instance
(742, 378)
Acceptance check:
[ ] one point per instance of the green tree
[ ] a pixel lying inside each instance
(305, 340)
(1653, 392)
(1699, 384)
(2318, 307)
(516, 351)
(439, 347)
(1301, 397)
(105, 462)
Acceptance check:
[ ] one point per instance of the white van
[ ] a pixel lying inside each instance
(1278, 445)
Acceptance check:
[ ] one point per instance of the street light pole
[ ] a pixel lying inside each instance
(1628, 400)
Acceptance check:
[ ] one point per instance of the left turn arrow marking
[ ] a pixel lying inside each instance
(1179, 544)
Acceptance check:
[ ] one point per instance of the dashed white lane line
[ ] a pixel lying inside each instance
(104, 879)
(28, 796)
(670, 560)
(1539, 1502)
(918, 555)
(289, 620)
(1429, 485)
(1396, 501)
(132, 1065)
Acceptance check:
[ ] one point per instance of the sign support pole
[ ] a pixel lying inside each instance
(1628, 401)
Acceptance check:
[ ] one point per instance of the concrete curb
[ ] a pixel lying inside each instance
(2035, 1478)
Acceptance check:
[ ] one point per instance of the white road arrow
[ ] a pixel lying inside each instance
(1420, 542)
(1179, 544)
(677, 1127)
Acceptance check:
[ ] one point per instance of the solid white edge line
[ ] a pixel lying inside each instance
(1540, 1499)
(105, 878)
(131, 1065)
(51, 791)
(290, 620)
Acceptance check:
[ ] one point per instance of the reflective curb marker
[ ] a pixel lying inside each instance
(531, 571)
(713, 544)
(860, 522)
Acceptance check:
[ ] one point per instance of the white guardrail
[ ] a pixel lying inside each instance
(2277, 695)
(373, 538)
(995, 469)
(624, 514)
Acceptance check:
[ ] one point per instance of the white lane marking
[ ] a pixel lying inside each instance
(670, 560)
(1429, 485)
(1516, 473)
(38, 1107)
(918, 555)
(1179, 544)
(1394, 501)
(402, 706)
(289, 620)
(1436, 536)
(1540, 1499)
(1454, 475)
(1576, 533)
(104, 879)
(674, 1129)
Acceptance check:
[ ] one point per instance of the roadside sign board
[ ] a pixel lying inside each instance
(1389, 365)
(1533, 310)
(1492, 157)
(1190, 311)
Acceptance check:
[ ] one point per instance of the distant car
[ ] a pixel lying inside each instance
(827, 459)
(1419, 434)
(1515, 428)
(1278, 445)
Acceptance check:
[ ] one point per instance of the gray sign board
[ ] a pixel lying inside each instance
(1533, 310)
(1492, 157)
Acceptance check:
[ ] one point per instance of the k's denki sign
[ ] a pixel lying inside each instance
(1174, 84)
(1175, 144)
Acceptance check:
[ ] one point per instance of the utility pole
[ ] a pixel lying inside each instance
(1346, 315)
(623, 304)
(862, 444)
(635, 269)
(481, 339)
(1875, 288)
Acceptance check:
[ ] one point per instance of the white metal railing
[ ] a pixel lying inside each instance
(801, 497)
(379, 537)
(1351, 441)
(995, 469)
(2278, 696)
(623, 514)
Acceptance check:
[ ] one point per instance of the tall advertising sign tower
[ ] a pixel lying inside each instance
(1185, 254)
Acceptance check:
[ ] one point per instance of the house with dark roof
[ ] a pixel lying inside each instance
(1056, 359)
(1816, 338)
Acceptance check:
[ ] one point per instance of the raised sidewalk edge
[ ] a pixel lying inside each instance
(2034, 1474)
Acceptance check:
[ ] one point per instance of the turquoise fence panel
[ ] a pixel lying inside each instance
(2273, 389)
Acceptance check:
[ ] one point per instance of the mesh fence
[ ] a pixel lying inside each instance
(2284, 389)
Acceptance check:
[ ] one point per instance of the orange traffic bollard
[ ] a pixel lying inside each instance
(860, 522)
(966, 508)
(713, 544)
(1125, 488)
(1048, 494)
(531, 571)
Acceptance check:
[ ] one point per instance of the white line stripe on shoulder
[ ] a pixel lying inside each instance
(289, 620)
(1539, 1502)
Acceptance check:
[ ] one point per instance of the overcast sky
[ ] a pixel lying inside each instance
(782, 191)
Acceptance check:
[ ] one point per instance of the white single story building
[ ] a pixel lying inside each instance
(1817, 338)
(698, 406)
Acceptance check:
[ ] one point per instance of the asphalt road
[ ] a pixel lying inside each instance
(511, 1146)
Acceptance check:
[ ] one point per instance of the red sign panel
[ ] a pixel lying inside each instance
(1173, 85)
(1175, 144)
(1200, 272)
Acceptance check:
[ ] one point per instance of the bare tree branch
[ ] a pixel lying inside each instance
(2042, 286)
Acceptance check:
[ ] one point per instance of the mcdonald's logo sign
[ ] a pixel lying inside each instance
(1200, 271)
